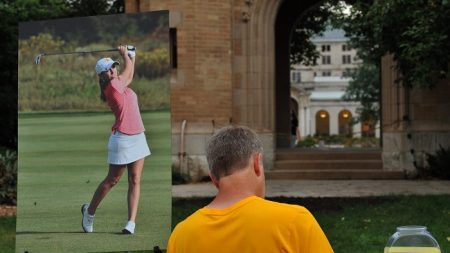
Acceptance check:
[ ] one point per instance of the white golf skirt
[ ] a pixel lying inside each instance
(125, 149)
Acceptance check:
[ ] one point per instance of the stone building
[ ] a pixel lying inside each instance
(233, 67)
(316, 91)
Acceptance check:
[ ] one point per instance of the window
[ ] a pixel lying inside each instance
(326, 73)
(173, 47)
(326, 59)
(346, 59)
(322, 123)
(295, 77)
(325, 48)
(346, 48)
(345, 119)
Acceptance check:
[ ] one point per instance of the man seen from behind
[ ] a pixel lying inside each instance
(239, 219)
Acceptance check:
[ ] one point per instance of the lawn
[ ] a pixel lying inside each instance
(361, 225)
(7, 234)
(357, 225)
(62, 159)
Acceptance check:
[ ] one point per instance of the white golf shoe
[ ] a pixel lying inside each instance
(88, 220)
(129, 228)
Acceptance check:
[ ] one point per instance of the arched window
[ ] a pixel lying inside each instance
(322, 123)
(345, 127)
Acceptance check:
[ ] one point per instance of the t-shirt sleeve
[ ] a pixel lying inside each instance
(307, 235)
(171, 248)
(118, 85)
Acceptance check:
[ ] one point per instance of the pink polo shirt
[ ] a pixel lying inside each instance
(124, 104)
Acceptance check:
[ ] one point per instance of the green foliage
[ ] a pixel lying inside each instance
(154, 63)
(439, 164)
(43, 42)
(308, 142)
(415, 32)
(312, 22)
(70, 82)
(92, 8)
(14, 11)
(364, 87)
(7, 234)
(28, 10)
(364, 142)
(8, 177)
(345, 141)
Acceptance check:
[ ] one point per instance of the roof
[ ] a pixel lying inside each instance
(330, 35)
(326, 95)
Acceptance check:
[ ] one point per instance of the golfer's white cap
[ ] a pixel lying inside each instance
(104, 64)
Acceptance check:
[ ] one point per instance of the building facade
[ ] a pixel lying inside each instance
(233, 67)
(317, 90)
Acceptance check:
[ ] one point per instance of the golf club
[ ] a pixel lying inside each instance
(37, 59)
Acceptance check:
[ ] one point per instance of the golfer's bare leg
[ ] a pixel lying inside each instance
(114, 174)
(134, 187)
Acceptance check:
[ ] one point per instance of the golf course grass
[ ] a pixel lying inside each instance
(62, 159)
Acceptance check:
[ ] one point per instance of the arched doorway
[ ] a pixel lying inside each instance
(322, 123)
(286, 20)
(345, 123)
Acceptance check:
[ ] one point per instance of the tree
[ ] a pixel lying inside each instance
(81, 8)
(313, 22)
(415, 32)
(364, 87)
(15, 11)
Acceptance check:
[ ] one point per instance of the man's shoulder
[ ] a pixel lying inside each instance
(281, 206)
(287, 209)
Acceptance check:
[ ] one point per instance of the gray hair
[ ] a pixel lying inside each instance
(230, 149)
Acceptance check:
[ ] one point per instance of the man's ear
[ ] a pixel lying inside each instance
(214, 180)
(257, 164)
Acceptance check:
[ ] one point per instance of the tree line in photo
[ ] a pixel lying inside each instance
(68, 82)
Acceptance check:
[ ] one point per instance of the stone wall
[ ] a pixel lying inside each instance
(415, 121)
(224, 73)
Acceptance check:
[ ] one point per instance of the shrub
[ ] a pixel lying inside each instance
(439, 164)
(8, 177)
(179, 177)
(307, 142)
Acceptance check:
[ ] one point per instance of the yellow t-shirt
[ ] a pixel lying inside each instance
(253, 225)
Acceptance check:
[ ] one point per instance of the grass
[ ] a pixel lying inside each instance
(352, 224)
(62, 160)
(7, 234)
(360, 225)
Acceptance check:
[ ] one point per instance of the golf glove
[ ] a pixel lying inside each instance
(131, 51)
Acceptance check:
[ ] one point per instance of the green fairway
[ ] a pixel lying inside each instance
(62, 161)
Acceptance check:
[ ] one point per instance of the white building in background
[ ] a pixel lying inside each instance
(316, 91)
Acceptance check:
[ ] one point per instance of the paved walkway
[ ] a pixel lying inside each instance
(329, 188)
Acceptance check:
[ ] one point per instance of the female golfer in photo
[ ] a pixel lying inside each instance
(127, 145)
